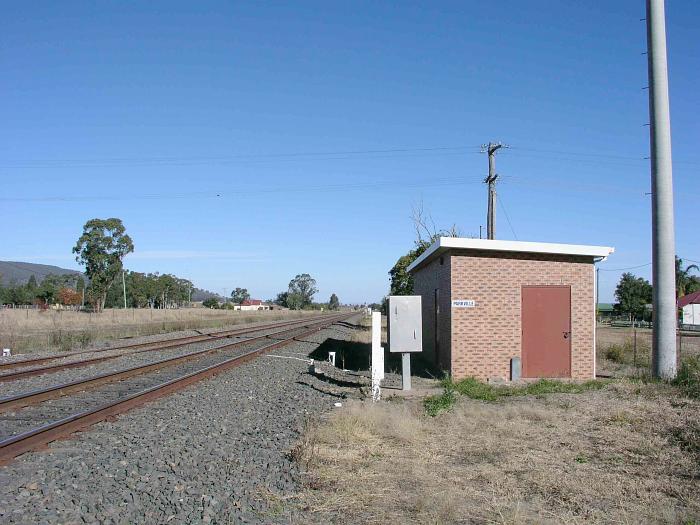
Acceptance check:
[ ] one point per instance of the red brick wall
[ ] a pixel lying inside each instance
(432, 276)
(485, 338)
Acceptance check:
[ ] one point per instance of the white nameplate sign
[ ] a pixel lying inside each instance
(463, 303)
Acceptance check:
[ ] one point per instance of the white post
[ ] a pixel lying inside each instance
(377, 356)
(406, 371)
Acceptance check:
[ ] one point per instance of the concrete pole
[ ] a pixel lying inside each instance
(663, 241)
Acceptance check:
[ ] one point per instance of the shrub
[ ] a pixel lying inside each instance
(210, 303)
(615, 353)
(435, 404)
(688, 378)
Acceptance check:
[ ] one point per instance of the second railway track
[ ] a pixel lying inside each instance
(71, 407)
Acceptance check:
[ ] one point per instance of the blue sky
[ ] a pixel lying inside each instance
(243, 143)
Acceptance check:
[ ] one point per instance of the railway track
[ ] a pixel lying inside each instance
(130, 349)
(77, 405)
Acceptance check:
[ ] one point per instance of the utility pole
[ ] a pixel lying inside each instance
(491, 148)
(124, 286)
(662, 229)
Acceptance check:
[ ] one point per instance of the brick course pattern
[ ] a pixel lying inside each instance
(481, 341)
(435, 276)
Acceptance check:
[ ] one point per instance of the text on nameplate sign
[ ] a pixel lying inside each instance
(463, 303)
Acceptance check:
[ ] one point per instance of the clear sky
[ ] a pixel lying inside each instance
(244, 142)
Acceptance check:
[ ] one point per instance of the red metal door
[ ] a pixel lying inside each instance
(546, 331)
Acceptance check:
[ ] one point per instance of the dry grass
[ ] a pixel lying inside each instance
(30, 330)
(616, 355)
(627, 453)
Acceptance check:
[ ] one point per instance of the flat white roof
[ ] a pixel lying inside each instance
(447, 243)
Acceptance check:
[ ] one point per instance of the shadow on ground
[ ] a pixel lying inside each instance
(353, 355)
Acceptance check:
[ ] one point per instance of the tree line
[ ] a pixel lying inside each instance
(298, 296)
(143, 290)
(66, 290)
(634, 293)
(101, 249)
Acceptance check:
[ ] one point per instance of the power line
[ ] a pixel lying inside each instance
(596, 155)
(623, 269)
(503, 207)
(188, 161)
(109, 162)
(641, 266)
(224, 193)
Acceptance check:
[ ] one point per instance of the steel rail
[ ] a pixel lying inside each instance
(53, 392)
(162, 345)
(45, 434)
(183, 340)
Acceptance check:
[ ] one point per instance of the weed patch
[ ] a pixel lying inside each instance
(615, 353)
(688, 378)
(475, 389)
(440, 403)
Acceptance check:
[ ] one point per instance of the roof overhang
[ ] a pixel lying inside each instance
(444, 244)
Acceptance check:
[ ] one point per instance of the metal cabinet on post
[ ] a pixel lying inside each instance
(405, 330)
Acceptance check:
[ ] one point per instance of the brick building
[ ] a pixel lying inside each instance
(486, 302)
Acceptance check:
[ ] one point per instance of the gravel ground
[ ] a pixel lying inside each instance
(33, 416)
(27, 384)
(217, 452)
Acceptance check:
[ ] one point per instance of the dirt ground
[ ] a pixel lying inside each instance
(628, 452)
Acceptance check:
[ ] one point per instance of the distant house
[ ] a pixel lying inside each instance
(606, 311)
(252, 304)
(690, 305)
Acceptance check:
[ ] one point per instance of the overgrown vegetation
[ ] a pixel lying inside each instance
(624, 353)
(688, 378)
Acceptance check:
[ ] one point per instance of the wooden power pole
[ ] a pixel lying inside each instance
(491, 148)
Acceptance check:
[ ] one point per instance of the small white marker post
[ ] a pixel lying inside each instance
(377, 356)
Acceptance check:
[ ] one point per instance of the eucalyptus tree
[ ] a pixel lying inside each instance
(101, 249)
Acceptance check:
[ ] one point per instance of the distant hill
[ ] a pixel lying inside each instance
(202, 295)
(20, 272)
(15, 272)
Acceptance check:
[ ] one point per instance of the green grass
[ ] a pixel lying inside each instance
(435, 404)
(475, 389)
(688, 378)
